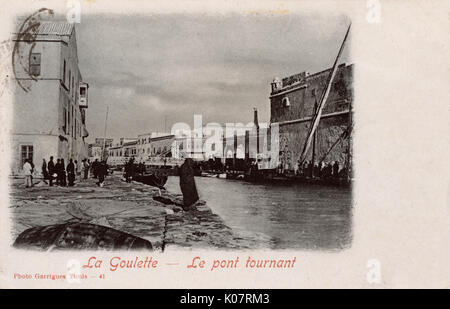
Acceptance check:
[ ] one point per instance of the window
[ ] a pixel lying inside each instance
(35, 64)
(70, 77)
(65, 120)
(64, 73)
(26, 153)
(286, 102)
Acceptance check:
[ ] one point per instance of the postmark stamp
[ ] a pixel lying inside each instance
(23, 46)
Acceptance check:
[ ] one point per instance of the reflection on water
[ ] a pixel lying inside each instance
(284, 216)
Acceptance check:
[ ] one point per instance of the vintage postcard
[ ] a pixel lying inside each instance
(224, 144)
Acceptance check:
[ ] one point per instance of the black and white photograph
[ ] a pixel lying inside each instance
(180, 132)
(247, 139)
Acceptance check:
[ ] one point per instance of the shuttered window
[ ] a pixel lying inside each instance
(35, 64)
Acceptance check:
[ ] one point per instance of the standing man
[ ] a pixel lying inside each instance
(32, 171)
(187, 184)
(44, 171)
(95, 168)
(127, 171)
(336, 169)
(85, 169)
(71, 173)
(27, 171)
(77, 169)
(58, 172)
(51, 170)
(102, 170)
(63, 174)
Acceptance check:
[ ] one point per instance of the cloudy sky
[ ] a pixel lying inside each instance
(156, 70)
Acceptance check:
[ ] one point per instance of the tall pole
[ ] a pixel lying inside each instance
(323, 100)
(104, 136)
(313, 159)
(350, 148)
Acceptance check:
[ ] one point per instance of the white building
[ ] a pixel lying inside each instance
(50, 98)
(121, 151)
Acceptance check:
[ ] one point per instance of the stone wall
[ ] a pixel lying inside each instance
(303, 97)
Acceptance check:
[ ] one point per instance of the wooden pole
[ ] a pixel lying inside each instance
(323, 100)
(104, 136)
(313, 159)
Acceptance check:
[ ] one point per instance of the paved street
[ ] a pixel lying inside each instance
(128, 207)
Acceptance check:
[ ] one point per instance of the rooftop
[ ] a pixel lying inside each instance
(301, 79)
(54, 28)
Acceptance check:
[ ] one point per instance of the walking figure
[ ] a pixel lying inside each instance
(27, 171)
(95, 167)
(102, 170)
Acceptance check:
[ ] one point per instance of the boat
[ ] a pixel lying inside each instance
(153, 180)
(154, 171)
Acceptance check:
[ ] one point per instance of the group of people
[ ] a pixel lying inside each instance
(319, 170)
(131, 168)
(65, 175)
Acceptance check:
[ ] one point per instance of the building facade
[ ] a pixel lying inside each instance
(121, 150)
(293, 103)
(152, 147)
(50, 98)
(95, 152)
(99, 150)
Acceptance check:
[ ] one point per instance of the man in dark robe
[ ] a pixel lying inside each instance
(102, 170)
(187, 184)
(63, 173)
(44, 171)
(57, 171)
(71, 173)
(128, 170)
(95, 166)
(336, 169)
(51, 171)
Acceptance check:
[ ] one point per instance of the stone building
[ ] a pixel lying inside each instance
(107, 142)
(146, 149)
(101, 145)
(122, 150)
(95, 152)
(293, 101)
(50, 97)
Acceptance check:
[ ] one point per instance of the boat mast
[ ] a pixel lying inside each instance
(318, 114)
(104, 136)
(349, 150)
(313, 159)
